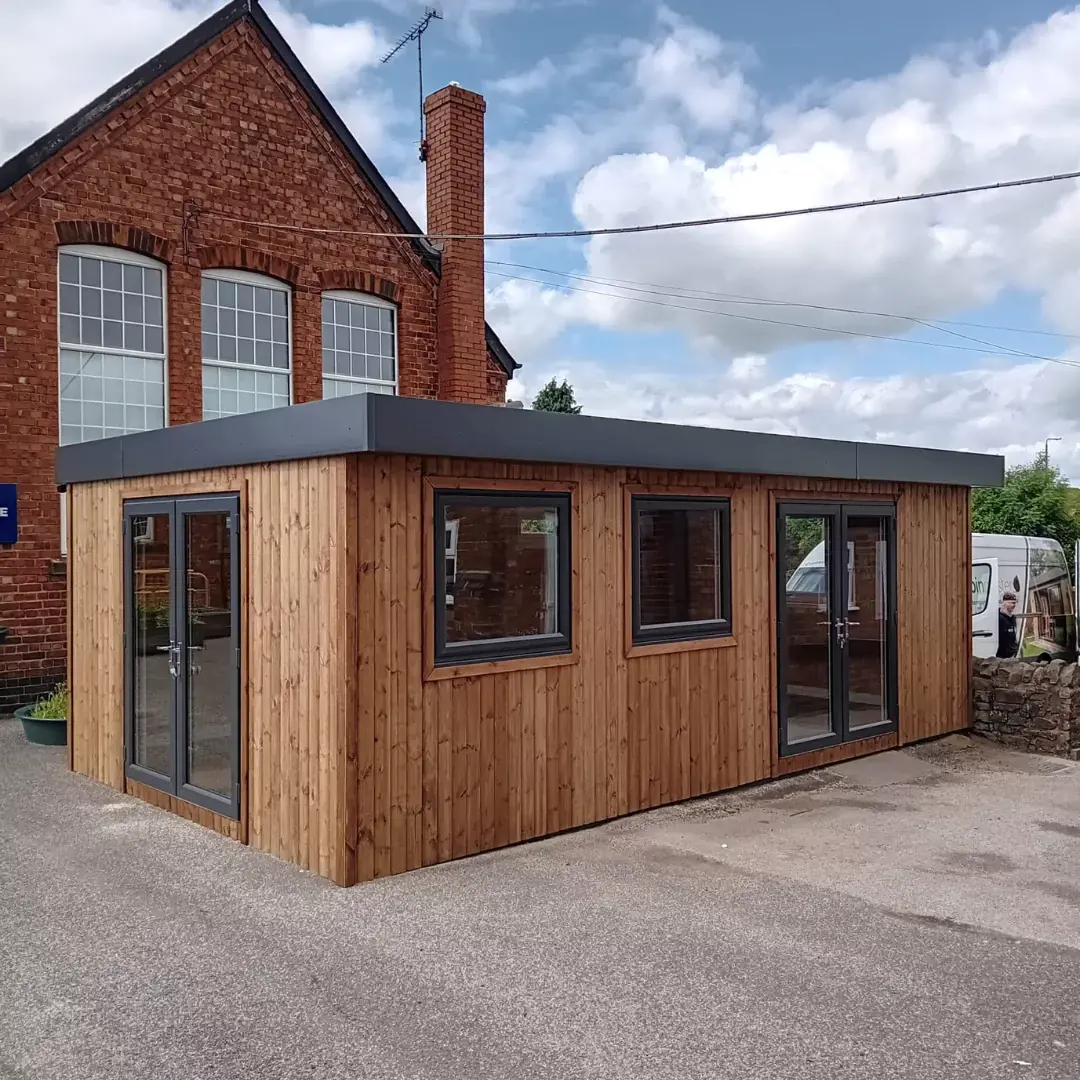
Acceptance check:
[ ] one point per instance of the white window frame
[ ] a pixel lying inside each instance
(249, 277)
(371, 300)
(132, 258)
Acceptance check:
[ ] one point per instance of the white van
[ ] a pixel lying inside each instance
(1035, 570)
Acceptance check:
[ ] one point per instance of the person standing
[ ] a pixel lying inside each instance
(1007, 643)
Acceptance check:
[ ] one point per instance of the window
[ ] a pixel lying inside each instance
(247, 358)
(112, 343)
(682, 568)
(359, 335)
(980, 587)
(112, 336)
(502, 568)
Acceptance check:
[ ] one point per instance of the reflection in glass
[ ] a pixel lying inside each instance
(867, 621)
(153, 681)
(209, 647)
(807, 632)
(502, 569)
(679, 566)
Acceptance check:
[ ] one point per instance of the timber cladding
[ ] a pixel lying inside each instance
(297, 626)
(362, 759)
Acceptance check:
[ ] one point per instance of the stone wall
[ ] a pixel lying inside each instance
(1034, 707)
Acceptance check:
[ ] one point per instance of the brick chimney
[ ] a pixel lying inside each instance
(455, 204)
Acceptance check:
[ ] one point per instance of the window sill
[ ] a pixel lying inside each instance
(660, 648)
(501, 667)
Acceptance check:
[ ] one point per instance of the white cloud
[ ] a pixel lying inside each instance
(90, 46)
(697, 71)
(938, 123)
(539, 77)
(997, 409)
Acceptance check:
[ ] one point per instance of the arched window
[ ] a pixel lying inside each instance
(359, 339)
(113, 343)
(246, 343)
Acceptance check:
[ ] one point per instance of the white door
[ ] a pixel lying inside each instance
(984, 607)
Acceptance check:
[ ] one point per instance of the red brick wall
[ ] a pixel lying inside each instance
(455, 204)
(501, 586)
(679, 567)
(226, 133)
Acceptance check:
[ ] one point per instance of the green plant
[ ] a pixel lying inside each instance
(556, 397)
(154, 611)
(1034, 501)
(52, 707)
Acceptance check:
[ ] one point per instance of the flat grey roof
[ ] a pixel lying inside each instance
(378, 423)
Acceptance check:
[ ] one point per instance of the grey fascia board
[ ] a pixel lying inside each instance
(396, 425)
(291, 433)
(919, 465)
(413, 426)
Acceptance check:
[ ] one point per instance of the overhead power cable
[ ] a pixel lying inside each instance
(989, 348)
(623, 230)
(742, 299)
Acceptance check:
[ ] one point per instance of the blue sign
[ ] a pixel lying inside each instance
(9, 514)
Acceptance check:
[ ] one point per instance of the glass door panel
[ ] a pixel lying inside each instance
(868, 621)
(836, 623)
(182, 644)
(148, 556)
(211, 692)
(807, 601)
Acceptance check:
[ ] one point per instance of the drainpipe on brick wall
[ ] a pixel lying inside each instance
(455, 204)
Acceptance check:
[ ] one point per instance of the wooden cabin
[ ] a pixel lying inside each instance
(374, 633)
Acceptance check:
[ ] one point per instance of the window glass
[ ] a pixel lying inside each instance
(359, 344)
(681, 575)
(980, 588)
(245, 345)
(502, 565)
(112, 346)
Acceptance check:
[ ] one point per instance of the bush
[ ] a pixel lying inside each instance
(53, 707)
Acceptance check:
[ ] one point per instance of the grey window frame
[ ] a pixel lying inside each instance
(518, 648)
(701, 629)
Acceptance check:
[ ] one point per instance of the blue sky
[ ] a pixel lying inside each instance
(603, 113)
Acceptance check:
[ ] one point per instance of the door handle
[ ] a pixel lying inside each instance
(982, 633)
(173, 649)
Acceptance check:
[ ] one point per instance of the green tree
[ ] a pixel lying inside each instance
(557, 397)
(1036, 500)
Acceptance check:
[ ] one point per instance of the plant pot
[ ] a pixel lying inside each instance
(42, 732)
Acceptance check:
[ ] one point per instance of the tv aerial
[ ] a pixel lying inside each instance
(416, 34)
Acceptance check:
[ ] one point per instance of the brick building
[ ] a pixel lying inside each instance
(139, 288)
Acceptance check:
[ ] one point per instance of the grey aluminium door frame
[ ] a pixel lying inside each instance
(185, 508)
(136, 508)
(178, 510)
(838, 514)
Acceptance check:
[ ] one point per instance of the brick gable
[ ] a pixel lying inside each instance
(226, 134)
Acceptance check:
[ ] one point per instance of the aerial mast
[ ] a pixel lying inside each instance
(416, 34)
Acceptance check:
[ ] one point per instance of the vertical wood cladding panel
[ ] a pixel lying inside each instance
(299, 672)
(518, 751)
(361, 761)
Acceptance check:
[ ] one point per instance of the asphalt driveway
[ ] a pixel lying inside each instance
(913, 915)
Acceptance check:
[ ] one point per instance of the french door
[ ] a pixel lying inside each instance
(182, 648)
(836, 623)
